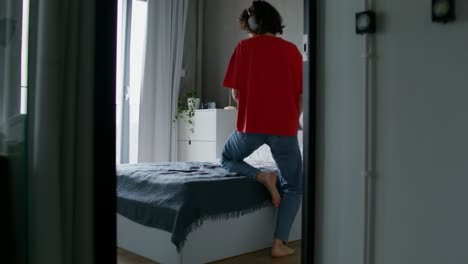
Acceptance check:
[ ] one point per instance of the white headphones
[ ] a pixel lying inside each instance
(252, 23)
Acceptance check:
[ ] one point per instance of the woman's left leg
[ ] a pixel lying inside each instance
(287, 155)
(240, 145)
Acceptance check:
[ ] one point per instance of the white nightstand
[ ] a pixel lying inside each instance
(211, 129)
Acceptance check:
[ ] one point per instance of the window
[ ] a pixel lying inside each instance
(131, 39)
(24, 57)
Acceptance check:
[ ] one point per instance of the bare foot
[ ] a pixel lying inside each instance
(268, 179)
(279, 249)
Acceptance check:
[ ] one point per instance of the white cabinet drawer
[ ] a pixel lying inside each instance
(211, 129)
(194, 150)
(204, 125)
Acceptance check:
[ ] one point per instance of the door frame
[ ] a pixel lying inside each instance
(310, 135)
(104, 193)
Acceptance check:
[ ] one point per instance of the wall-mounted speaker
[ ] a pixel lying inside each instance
(365, 22)
(443, 11)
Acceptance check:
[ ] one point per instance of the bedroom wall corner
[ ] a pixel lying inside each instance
(222, 32)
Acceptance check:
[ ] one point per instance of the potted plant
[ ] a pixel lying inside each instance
(186, 107)
(193, 100)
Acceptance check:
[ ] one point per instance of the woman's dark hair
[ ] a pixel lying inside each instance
(267, 18)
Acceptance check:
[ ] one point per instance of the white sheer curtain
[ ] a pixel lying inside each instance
(161, 79)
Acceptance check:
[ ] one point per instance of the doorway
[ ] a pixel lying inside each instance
(308, 48)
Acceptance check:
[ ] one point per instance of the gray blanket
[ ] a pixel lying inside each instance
(178, 197)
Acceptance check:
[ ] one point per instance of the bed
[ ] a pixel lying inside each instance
(193, 218)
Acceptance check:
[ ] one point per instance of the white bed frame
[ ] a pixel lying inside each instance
(214, 240)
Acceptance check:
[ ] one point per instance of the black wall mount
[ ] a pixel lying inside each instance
(443, 11)
(365, 22)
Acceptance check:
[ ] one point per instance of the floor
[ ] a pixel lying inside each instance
(257, 257)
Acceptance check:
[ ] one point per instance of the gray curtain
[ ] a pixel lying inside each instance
(161, 79)
(61, 132)
(10, 67)
(12, 136)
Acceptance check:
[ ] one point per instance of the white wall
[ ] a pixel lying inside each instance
(422, 88)
(222, 32)
(341, 126)
(421, 134)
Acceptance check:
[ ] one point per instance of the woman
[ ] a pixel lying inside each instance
(265, 75)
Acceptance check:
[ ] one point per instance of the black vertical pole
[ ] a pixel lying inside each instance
(105, 246)
(309, 120)
(7, 251)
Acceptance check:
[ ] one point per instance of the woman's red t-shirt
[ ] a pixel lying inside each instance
(267, 72)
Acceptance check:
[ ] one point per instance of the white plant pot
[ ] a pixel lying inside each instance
(193, 103)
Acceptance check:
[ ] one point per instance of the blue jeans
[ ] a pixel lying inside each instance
(287, 156)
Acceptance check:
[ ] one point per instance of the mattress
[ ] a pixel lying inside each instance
(179, 196)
